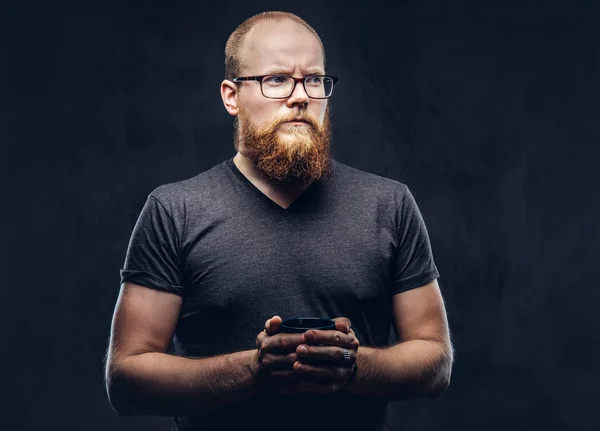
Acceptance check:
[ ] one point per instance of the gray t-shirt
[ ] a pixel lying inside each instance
(343, 248)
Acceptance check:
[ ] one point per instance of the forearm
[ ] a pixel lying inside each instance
(160, 384)
(416, 368)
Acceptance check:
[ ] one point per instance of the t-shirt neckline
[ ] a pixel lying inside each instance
(296, 203)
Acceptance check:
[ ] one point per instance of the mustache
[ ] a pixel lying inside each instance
(298, 117)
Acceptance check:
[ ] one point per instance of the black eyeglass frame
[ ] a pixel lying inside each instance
(260, 78)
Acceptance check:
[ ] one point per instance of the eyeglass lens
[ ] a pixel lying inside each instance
(282, 86)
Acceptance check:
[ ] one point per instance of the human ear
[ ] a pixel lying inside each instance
(229, 95)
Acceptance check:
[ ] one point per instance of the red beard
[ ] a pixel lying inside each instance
(304, 154)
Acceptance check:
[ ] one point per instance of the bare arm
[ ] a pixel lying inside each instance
(142, 379)
(420, 364)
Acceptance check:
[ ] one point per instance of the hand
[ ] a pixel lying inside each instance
(320, 366)
(276, 355)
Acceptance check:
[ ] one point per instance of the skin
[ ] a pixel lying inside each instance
(142, 378)
(275, 47)
(287, 361)
(289, 48)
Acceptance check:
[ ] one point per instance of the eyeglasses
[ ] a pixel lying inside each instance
(282, 86)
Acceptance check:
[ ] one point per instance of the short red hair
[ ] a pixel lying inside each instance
(236, 39)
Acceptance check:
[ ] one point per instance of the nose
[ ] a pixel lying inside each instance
(298, 96)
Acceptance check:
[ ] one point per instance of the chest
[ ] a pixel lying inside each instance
(240, 262)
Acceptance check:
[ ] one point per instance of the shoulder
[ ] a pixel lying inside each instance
(369, 185)
(180, 193)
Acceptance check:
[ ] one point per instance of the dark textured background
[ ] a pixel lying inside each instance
(487, 110)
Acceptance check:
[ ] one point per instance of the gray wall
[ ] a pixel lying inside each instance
(487, 110)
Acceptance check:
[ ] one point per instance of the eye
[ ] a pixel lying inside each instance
(314, 81)
(274, 80)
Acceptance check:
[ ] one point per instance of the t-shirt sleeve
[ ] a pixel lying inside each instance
(152, 257)
(414, 263)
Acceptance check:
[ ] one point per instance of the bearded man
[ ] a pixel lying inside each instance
(280, 230)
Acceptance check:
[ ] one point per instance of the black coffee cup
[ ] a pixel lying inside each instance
(299, 325)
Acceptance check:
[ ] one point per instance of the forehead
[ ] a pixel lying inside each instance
(282, 45)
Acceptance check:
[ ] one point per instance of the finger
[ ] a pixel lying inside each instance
(260, 338)
(281, 376)
(282, 343)
(268, 327)
(322, 373)
(332, 338)
(342, 324)
(323, 353)
(274, 361)
(275, 323)
(272, 325)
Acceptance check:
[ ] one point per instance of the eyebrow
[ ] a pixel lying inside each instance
(283, 71)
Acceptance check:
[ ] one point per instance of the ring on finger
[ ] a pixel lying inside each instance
(347, 359)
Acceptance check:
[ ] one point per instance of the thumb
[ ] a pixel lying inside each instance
(342, 324)
(272, 325)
